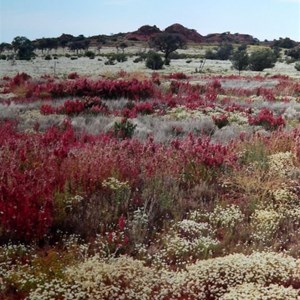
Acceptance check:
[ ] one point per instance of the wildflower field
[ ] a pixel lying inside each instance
(150, 186)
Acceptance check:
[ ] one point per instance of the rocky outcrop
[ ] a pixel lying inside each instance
(227, 37)
(144, 33)
(191, 35)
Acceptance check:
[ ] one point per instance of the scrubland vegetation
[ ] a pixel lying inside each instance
(150, 185)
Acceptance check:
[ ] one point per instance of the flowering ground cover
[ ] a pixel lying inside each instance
(161, 187)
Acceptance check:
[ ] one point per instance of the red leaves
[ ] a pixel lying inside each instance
(267, 119)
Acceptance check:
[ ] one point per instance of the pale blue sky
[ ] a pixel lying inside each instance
(264, 19)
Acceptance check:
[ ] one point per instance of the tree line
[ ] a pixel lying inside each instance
(167, 43)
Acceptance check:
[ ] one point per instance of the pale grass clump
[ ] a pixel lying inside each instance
(115, 278)
(239, 118)
(114, 184)
(284, 196)
(186, 241)
(211, 278)
(251, 291)
(182, 113)
(15, 273)
(281, 163)
(58, 289)
(228, 216)
(126, 278)
(265, 223)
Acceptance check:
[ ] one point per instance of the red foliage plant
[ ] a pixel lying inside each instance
(267, 119)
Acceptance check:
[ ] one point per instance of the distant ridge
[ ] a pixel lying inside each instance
(146, 32)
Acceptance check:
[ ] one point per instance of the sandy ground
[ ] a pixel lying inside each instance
(95, 67)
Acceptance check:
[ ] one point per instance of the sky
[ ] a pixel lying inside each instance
(264, 19)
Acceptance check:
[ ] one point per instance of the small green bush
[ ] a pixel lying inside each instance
(154, 61)
(124, 129)
(48, 57)
(3, 57)
(262, 59)
(297, 66)
(89, 54)
(119, 57)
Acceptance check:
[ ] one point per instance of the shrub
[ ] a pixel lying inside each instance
(119, 57)
(124, 129)
(262, 59)
(48, 57)
(154, 61)
(89, 54)
(3, 57)
(297, 66)
(267, 119)
(240, 60)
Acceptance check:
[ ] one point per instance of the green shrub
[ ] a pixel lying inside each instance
(119, 57)
(262, 59)
(154, 61)
(3, 57)
(297, 66)
(48, 57)
(89, 54)
(124, 129)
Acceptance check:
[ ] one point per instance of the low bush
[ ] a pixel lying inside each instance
(154, 61)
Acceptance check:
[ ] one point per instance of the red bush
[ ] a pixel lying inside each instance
(267, 119)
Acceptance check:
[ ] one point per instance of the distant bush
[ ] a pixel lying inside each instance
(74, 57)
(297, 66)
(48, 57)
(154, 61)
(138, 59)
(119, 57)
(262, 59)
(222, 53)
(89, 54)
(3, 57)
(293, 53)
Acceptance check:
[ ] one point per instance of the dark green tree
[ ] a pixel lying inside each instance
(262, 59)
(240, 60)
(23, 47)
(167, 43)
(5, 46)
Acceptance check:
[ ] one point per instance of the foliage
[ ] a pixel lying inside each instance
(223, 52)
(267, 119)
(154, 61)
(89, 54)
(167, 43)
(294, 53)
(240, 60)
(200, 202)
(124, 129)
(261, 59)
(24, 48)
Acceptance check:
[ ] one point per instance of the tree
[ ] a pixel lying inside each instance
(240, 59)
(122, 45)
(5, 46)
(262, 59)
(24, 48)
(167, 43)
